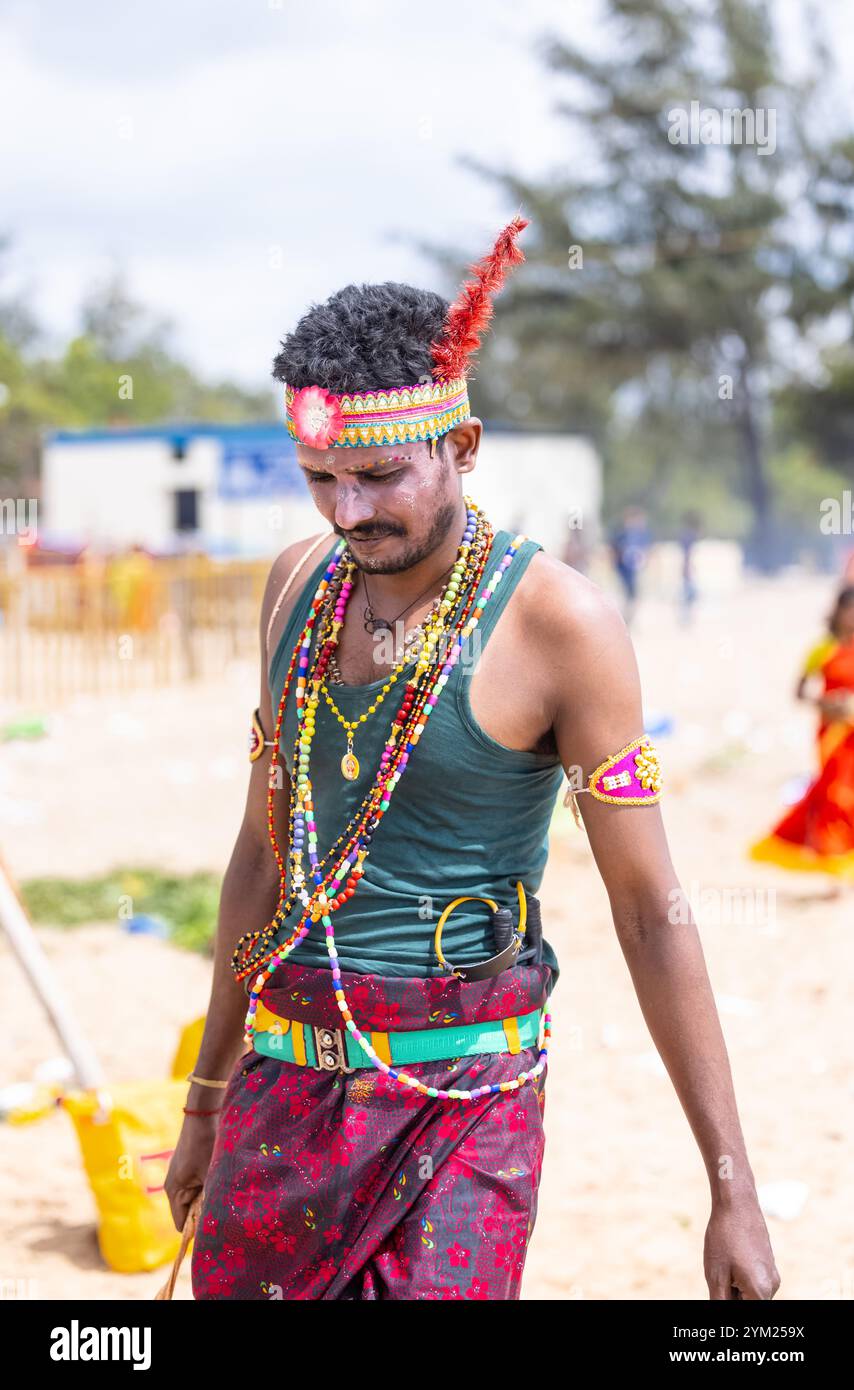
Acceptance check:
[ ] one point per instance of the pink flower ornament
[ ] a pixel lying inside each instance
(317, 416)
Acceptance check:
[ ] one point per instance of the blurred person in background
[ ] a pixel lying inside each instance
(817, 834)
(630, 542)
(131, 580)
(689, 534)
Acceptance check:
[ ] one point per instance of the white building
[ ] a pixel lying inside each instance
(237, 489)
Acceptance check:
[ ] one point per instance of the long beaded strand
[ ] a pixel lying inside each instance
(404, 1078)
(306, 711)
(240, 962)
(393, 763)
(327, 587)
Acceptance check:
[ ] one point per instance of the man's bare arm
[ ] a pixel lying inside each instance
(597, 710)
(250, 887)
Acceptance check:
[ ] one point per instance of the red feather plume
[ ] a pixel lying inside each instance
(470, 314)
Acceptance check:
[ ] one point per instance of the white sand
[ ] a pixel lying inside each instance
(160, 780)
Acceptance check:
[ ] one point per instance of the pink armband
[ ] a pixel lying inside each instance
(631, 777)
(257, 741)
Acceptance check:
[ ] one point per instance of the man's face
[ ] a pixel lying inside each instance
(394, 504)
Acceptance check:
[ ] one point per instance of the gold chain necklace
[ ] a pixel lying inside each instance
(410, 643)
(350, 765)
(433, 625)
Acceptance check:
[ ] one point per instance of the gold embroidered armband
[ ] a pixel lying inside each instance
(631, 777)
(257, 741)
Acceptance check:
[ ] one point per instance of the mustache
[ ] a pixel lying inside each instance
(367, 535)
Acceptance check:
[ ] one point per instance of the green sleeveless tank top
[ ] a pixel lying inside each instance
(469, 814)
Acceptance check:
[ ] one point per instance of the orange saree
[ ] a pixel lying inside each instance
(817, 833)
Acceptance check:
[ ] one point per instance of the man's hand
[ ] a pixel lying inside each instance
(737, 1255)
(189, 1165)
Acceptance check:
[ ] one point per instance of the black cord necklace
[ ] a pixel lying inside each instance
(373, 624)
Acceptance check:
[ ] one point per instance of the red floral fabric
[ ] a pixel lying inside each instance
(346, 1186)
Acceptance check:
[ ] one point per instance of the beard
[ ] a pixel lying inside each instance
(413, 551)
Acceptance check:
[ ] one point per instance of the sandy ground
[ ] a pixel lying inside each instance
(159, 779)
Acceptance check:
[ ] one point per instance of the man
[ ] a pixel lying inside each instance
(689, 535)
(384, 1136)
(630, 543)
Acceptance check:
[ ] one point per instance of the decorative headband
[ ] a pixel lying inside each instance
(323, 419)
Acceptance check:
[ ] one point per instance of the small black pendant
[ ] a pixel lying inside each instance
(373, 625)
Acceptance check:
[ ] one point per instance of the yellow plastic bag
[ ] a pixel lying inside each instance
(188, 1048)
(127, 1134)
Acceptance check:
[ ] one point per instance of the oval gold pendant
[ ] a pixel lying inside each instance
(350, 766)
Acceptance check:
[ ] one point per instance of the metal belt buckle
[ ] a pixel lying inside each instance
(331, 1049)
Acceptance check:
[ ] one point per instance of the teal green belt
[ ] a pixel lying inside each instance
(419, 1045)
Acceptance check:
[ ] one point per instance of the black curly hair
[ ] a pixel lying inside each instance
(365, 337)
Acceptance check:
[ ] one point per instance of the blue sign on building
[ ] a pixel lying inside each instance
(254, 466)
(255, 460)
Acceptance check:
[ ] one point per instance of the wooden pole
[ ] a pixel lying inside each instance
(39, 971)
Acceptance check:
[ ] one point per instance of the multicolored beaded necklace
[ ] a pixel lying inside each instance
(329, 588)
(335, 886)
(412, 639)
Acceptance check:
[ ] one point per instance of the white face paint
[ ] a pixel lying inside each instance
(408, 498)
(357, 490)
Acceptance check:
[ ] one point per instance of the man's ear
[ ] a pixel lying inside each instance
(463, 443)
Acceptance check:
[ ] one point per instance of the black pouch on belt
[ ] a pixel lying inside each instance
(532, 942)
(504, 934)
(531, 952)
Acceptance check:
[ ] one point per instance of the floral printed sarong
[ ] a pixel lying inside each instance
(347, 1186)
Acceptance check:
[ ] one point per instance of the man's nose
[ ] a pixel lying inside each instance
(352, 508)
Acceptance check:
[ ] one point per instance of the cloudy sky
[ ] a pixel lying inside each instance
(236, 159)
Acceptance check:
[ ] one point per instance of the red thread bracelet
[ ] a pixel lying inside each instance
(202, 1112)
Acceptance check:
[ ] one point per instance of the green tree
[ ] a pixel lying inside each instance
(117, 371)
(668, 280)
